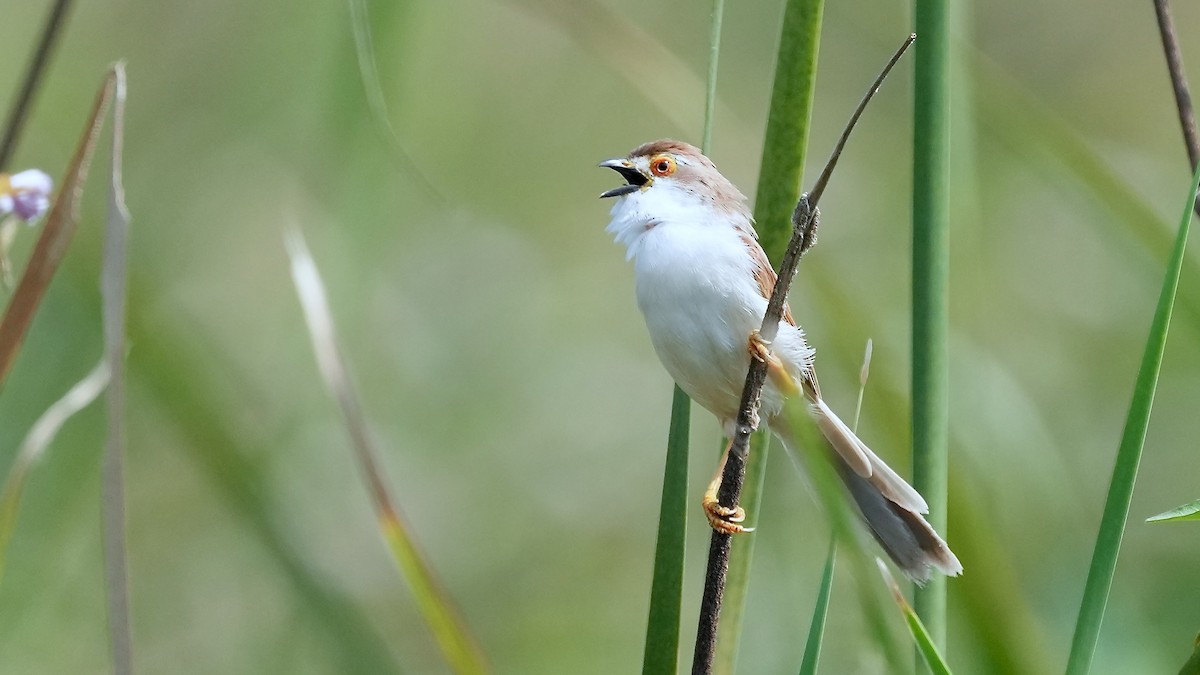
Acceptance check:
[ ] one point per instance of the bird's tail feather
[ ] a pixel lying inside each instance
(890, 506)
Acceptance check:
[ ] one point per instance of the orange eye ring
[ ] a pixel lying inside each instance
(662, 165)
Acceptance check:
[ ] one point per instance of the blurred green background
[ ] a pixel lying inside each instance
(491, 326)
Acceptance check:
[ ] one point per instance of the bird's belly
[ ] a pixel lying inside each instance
(701, 340)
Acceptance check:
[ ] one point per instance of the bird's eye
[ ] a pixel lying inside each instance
(662, 165)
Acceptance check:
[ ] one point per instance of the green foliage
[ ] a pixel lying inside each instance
(925, 643)
(510, 395)
(1129, 454)
(1192, 667)
(1186, 512)
(785, 143)
(930, 283)
(816, 627)
(666, 590)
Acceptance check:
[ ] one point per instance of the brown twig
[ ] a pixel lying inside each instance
(804, 221)
(57, 231)
(33, 76)
(1183, 98)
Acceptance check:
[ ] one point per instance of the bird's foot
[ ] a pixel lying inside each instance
(724, 519)
(760, 350)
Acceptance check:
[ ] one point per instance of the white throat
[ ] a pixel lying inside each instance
(637, 214)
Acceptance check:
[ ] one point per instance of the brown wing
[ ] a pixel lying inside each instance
(763, 273)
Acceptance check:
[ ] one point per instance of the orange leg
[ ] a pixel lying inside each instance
(722, 518)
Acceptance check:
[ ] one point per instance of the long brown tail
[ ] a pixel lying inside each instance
(890, 507)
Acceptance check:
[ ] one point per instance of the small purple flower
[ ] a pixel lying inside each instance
(25, 195)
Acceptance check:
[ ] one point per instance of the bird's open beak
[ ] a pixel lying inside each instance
(635, 180)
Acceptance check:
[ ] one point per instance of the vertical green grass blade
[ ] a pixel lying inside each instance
(710, 91)
(829, 489)
(816, 629)
(930, 270)
(1129, 454)
(785, 143)
(666, 590)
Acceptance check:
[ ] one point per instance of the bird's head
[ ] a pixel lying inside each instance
(675, 167)
(671, 181)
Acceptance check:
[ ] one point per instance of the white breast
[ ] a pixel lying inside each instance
(696, 289)
(699, 301)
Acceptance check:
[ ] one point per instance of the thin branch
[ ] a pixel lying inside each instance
(57, 231)
(804, 221)
(1183, 98)
(33, 76)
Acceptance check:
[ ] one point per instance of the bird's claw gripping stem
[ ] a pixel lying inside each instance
(760, 350)
(724, 519)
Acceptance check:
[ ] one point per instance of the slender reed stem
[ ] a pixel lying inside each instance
(804, 221)
(33, 77)
(1183, 97)
(113, 283)
(930, 277)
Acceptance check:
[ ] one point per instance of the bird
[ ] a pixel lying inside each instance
(702, 282)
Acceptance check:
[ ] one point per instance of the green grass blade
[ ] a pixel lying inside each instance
(925, 644)
(1186, 512)
(666, 589)
(1192, 667)
(785, 144)
(930, 270)
(710, 93)
(816, 629)
(661, 653)
(843, 521)
(1120, 490)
